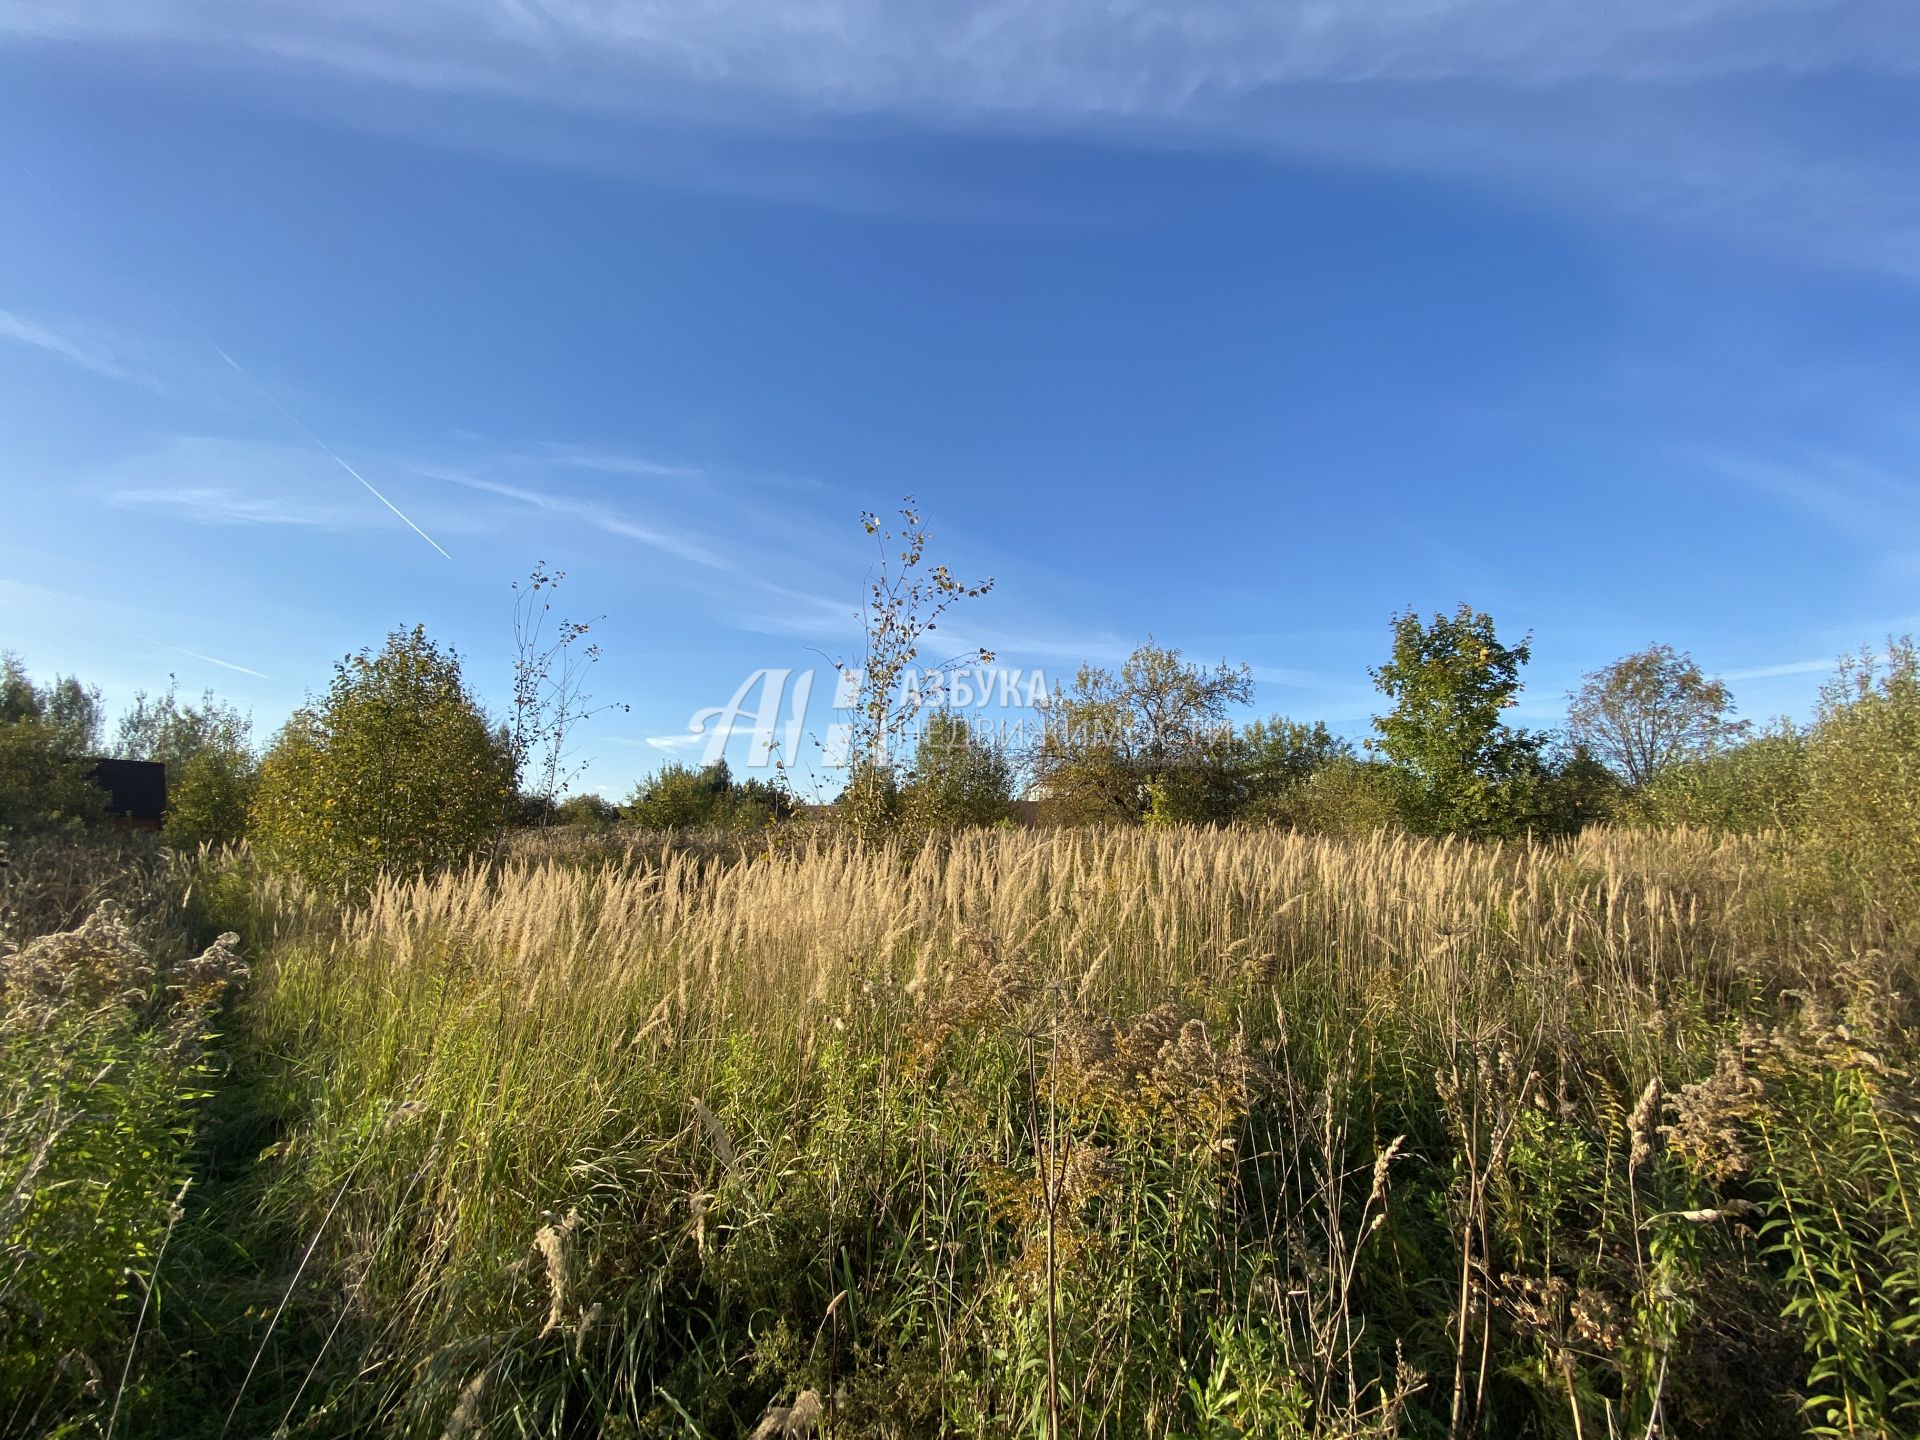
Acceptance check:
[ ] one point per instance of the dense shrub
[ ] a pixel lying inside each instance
(211, 767)
(1572, 791)
(1343, 797)
(47, 737)
(43, 785)
(1759, 784)
(1863, 778)
(394, 769)
(102, 1067)
(679, 797)
(591, 812)
(958, 778)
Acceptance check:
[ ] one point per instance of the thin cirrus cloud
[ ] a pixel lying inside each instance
(211, 480)
(1790, 667)
(684, 740)
(217, 505)
(614, 462)
(229, 482)
(1775, 124)
(676, 542)
(1079, 56)
(674, 744)
(1863, 501)
(89, 346)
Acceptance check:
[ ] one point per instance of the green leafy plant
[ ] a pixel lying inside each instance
(905, 598)
(211, 767)
(394, 769)
(1451, 681)
(1863, 779)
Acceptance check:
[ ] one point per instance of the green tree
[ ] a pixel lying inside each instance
(904, 602)
(1758, 784)
(1574, 791)
(680, 797)
(1152, 737)
(1281, 753)
(1276, 759)
(1863, 777)
(395, 769)
(1649, 711)
(959, 778)
(1451, 681)
(211, 768)
(589, 812)
(48, 734)
(69, 710)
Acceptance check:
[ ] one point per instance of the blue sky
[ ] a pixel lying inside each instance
(1240, 326)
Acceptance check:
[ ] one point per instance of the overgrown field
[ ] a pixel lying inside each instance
(1168, 1133)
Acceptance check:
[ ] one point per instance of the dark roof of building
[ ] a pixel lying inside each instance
(135, 788)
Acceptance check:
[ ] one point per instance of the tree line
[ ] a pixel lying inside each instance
(398, 765)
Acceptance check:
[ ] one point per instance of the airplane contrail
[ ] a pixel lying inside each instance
(326, 449)
(209, 659)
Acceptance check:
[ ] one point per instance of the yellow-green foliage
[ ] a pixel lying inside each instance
(1343, 797)
(1122, 1132)
(1757, 785)
(959, 778)
(1863, 767)
(47, 735)
(394, 770)
(1150, 1131)
(211, 767)
(101, 1067)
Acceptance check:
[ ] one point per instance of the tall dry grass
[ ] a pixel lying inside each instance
(1175, 1133)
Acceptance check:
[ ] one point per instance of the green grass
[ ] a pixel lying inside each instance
(1173, 1133)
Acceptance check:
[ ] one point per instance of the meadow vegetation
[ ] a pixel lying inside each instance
(1474, 1081)
(1037, 1132)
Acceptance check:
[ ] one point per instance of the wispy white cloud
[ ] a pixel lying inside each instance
(673, 541)
(1314, 694)
(779, 609)
(218, 505)
(682, 741)
(87, 345)
(221, 481)
(614, 462)
(217, 480)
(1861, 501)
(1738, 117)
(674, 744)
(325, 449)
(1873, 507)
(1078, 55)
(1055, 651)
(1059, 651)
(775, 608)
(1790, 667)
